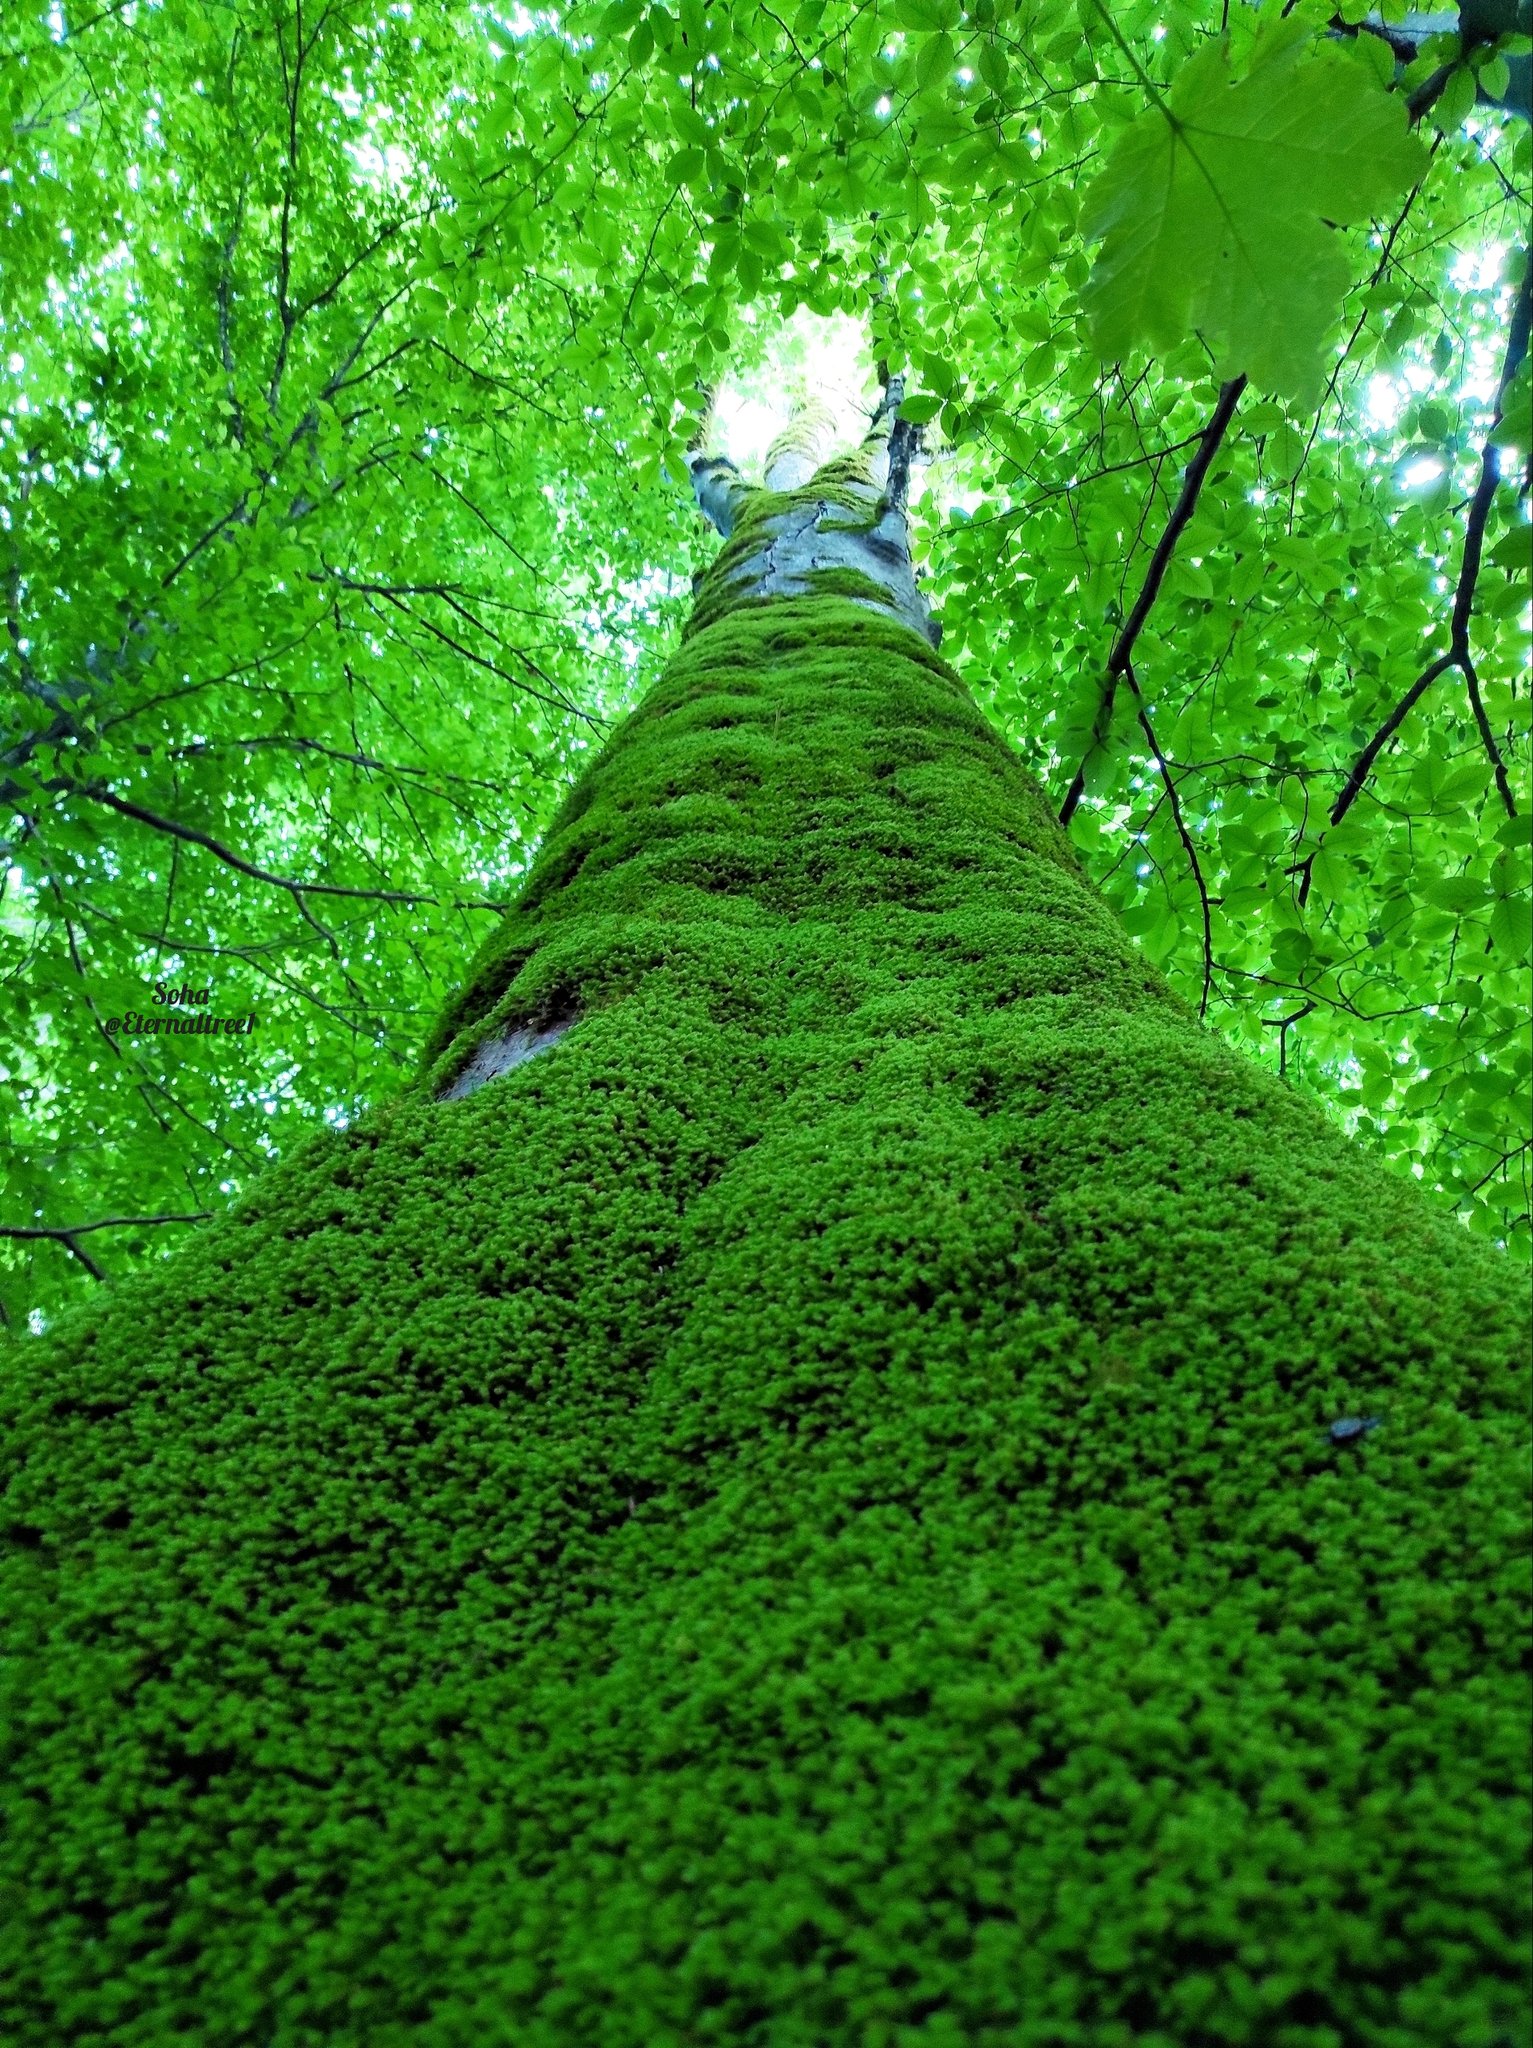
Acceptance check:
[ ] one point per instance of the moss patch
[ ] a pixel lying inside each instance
(801, 1517)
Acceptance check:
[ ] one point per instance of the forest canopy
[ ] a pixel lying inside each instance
(351, 359)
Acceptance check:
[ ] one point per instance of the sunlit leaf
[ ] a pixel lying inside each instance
(1212, 208)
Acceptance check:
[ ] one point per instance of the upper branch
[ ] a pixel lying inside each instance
(891, 444)
(720, 490)
(1459, 654)
(196, 837)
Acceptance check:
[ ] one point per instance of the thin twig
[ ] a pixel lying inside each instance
(196, 837)
(69, 1230)
(1503, 1162)
(1281, 1026)
(1182, 832)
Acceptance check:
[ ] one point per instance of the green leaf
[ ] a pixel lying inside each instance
(935, 61)
(1495, 77)
(1511, 927)
(920, 407)
(1330, 873)
(1455, 101)
(684, 166)
(1515, 429)
(1432, 421)
(992, 67)
(1290, 949)
(1210, 209)
(1457, 893)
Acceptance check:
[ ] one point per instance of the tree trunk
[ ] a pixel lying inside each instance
(786, 1493)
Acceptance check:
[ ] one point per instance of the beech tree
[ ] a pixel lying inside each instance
(841, 1463)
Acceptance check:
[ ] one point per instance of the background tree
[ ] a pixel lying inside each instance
(352, 356)
(296, 663)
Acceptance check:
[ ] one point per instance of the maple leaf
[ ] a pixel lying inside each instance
(1217, 211)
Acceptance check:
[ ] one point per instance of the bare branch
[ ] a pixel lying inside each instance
(720, 489)
(1459, 655)
(555, 700)
(1123, 651)
(292, 86)
(196, 837)
(66, 1231)
(1283, 1025)
(196, 749)
(1385, 733)
(1182, 832)
(225, 298)
(63, 1238)
(1023, 511)
(706, 396)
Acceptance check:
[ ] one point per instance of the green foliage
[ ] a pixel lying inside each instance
(284, 504)
(342, 515)
(805, 1513)
(1218, 207)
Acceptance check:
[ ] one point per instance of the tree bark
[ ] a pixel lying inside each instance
(803, 1509)
(841, 527)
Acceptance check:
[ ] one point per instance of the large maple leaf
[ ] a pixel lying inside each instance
(1218, 209)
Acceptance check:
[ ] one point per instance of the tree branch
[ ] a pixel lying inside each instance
(225, 298)
(66, 1231)
(720, 490)
(895, 443)
(1282, 1026)
(196, 749)
(1459, 655)
(1182, 832)
(196, 837)
(1123, 652)
(556, 700)
(1385, 733)
(62, 1237)
(286, 312)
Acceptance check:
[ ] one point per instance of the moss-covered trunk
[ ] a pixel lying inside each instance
(801, 1515)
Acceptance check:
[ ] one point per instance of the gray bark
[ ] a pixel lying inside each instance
(816, 536)
(823, 534)
(499, 1055)
(721, 490)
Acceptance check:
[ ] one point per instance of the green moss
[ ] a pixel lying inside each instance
(847, 583)
(801, 1517)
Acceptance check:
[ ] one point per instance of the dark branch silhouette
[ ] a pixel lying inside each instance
(1182, 832)
(1123, 651)
(1459, 654)
(66, 1231)
(196, 837)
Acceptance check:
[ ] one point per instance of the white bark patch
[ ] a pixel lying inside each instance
(721, 490)
(819, 536)
(498, 1056)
